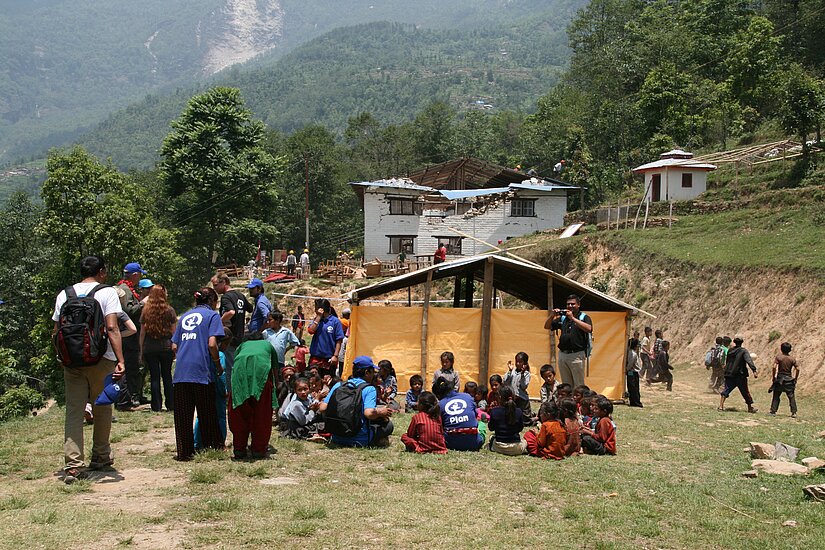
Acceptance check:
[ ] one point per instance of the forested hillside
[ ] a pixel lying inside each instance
(387, 69)
(64, 65)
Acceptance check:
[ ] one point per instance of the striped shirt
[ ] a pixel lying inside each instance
(425, 435)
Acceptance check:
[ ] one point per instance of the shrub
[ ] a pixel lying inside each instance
(19, 401)
(774, 336)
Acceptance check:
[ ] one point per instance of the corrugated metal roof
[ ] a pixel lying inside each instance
(394, 183)
(534, 187)
(470, 193)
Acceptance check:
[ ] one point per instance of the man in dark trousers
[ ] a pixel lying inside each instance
(736, 373)
(574, 340)
(130, 302)
(233, 309)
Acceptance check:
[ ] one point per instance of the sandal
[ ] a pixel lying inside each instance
(70, 475)
(720, 409)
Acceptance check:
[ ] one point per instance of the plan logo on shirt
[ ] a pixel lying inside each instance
(240, 305)
(190, 323)
(454, 408)
(330, 329)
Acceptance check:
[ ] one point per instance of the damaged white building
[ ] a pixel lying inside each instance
(460, 204)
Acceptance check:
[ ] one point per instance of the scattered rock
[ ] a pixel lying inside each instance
(816, 492)
(762, 450)
(789, 523)
(783, 451)
(750, 473)
(813, 462)
(821, 435)
(763, 489)
(779, 467)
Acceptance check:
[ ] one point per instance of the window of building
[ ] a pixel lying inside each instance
(687, 180)
(401, 242)
(523, 208)
(405, 207)
(453, 244)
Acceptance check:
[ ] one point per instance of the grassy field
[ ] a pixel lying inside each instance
(675, 483)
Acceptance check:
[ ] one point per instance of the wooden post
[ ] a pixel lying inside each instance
(469, 287)
(627, 214)
(670, 216)
(549, 313)
(647, 207)
(608, 218)
(618, 213)
(409, 296)
(427, 288)
(486, 312)
(627, 333)
(457, 293)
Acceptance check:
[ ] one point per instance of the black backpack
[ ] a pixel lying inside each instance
(81, 338)
(344, 412)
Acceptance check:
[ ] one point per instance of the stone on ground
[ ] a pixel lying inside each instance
(762, 450)
(750, 473)
(785, 452)
(779, 467)
(813, 462)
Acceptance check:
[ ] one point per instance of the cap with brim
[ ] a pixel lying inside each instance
(364, 362)
(146, 283)
(133, 267)
(255, 282)
(110, 393)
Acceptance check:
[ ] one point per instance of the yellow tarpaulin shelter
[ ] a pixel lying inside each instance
(484, 339)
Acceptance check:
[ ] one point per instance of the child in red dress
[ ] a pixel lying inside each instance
(602, 440)
(426, 433)
(551, 438)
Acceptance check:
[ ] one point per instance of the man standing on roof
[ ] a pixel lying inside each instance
(574, 341)
(305, 263)
(558, 168)
(262, 307)
(291, 261)
(440, 255)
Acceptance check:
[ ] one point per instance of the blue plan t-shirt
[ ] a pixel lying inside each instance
(192, 338)
(369, 399)
(328, 332)
(458, 410)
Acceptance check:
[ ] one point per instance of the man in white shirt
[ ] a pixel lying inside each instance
(84, 384)
(305, 263)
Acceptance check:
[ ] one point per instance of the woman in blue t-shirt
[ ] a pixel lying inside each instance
(195, 343)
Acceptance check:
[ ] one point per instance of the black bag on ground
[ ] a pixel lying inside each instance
(81, 338)
(344, 412)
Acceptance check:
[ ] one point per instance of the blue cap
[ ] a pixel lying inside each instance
(255, 282)
(363, 362)
(133, 267)
(146, 283)
(110, 392)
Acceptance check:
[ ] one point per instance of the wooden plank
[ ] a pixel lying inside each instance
(486, 312)
(627, 333)
(424, 315)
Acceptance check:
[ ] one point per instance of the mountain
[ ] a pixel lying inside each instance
(388, 69)
(66, 64)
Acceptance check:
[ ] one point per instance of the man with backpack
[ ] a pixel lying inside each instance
(87, 340)
(350, 409)
(736, 373)
(715, 363)
(574, 341)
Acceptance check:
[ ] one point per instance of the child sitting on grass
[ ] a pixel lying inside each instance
(551, 438)
(389, 386)
(481, 397)
(548, 391)
(602, 440)
(414, 393)
(579, 392)
(493, 399)
(426, 433)
(471, 388)
(564, 391)
(506, 422)
(299, 414)
(570, 417)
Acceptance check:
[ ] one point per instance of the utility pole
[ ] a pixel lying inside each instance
(306, 190)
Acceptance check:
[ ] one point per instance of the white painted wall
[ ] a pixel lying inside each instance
(496, 223)
(672, 184)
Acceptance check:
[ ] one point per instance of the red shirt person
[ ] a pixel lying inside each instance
(426, 433)
(440, 254)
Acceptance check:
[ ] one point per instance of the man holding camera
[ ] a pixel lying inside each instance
(574, 340)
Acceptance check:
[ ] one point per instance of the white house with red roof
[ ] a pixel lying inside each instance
(675, 176)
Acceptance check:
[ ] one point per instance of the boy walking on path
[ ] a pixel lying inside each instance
(784, 375)
(715, 363)
(736, 373)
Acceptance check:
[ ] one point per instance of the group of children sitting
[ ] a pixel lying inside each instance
(569, 421)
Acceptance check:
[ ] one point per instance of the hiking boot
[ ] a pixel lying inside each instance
(105, 464)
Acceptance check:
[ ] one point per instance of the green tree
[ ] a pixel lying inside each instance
(90, 208)
(752, 64)
(802, 106)
(434, 133)
(218, 176)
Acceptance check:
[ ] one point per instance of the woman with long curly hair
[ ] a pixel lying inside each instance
(157, 324)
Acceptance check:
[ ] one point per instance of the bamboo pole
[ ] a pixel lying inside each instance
(644, 199)
(495, 248)
(627, 333)
(608, 218)
(486, 314)
(670, 216)
(424, 326)
(647, 208)
(550, 314)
